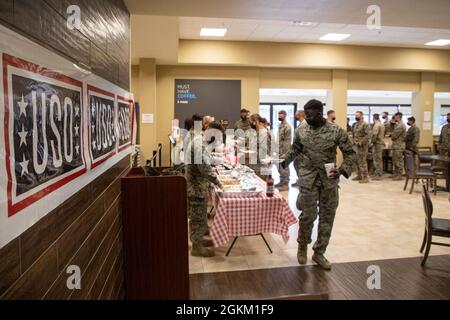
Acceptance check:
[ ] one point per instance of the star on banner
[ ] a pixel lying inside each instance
(23, 137)
(77, 149)
(93, 144)
(24, 165)
(77, 129)
(23, 107)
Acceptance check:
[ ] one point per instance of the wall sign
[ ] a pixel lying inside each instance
(59, 130)
(43, 131)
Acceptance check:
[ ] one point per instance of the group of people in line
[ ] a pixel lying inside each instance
(316, 140)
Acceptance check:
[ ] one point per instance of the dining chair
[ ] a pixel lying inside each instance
(414, 173)
(433, 226)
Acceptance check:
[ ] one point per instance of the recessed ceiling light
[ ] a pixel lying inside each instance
(213, 32)
(335, 36)
(439, 43)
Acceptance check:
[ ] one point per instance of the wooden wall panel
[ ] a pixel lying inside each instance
(89, 236)
(103, 41)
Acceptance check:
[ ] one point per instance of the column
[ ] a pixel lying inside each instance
(147, 105)
(422, 108)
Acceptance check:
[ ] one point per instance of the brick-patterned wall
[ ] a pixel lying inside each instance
(86, 230)
(103, 41)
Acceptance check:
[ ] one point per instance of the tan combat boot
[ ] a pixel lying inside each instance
(364, 180)
(302, 254)
(377, 178)
(198, 250)
(206, 241)
(321, 261)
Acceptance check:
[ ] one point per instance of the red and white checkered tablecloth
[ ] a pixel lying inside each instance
(247, 216)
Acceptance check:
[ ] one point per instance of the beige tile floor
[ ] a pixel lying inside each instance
(374, 221)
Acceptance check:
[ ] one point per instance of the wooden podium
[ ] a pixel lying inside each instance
(155, 230)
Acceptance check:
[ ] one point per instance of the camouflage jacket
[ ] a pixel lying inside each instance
(444, 138)
(284, 137)
(362, 134)
(378, 133)
(241, 124)
(387, 127)
(398, 136)
(316, 147)
(199, 173)
(412, 138)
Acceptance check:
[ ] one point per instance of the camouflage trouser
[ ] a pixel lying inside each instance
(322, 202)
(398, 163)
(378, 159)
(361, 160)
(284, 174)
(443, 151)
(198, 213)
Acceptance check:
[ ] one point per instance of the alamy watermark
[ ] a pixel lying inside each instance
(374, 279)
(73, 17)
(74, 280)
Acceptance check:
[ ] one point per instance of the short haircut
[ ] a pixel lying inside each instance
(386, 113)
(360, 112)
(399, 114)
(282, 112)
(243, 110)
(330, 112)
(376, 116)
(314, 104)
(412, 119)
(188, 124)
(197, 117)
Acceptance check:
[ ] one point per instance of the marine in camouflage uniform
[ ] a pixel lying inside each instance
(260, 141)
(315, 145)
(361, 139)
(199, 176)
(387, 127)
(378, 146)
(412, 136)
(244, 122)
(398, 148)
(284, 145)
(444, 139)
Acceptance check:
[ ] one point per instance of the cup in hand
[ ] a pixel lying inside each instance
(329, 167)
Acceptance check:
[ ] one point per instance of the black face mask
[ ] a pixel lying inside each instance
(409, 124)
(357, 118)
(315, 121)
(334, 118)
(448, 120)
(280, 119)
(253, 126)
(244, 118)
(384, 117)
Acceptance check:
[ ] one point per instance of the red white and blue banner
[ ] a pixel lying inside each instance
(60, 128)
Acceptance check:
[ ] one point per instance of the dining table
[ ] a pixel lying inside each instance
(441, 158)
(242, 216)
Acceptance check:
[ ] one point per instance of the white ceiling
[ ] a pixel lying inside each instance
(287, 31)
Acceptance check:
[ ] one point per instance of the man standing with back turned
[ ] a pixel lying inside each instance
(315, 144)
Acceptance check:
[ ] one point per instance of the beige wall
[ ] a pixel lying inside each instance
(255, 78)
(312, 56)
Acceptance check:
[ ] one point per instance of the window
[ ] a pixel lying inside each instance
(270, 112)
(370, 109)
(445, 108)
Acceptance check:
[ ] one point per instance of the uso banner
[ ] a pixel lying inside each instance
(60, 128)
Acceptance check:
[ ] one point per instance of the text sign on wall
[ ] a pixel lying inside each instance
(43, 131)
(102, 125)
(125, 122)
(60, 129)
